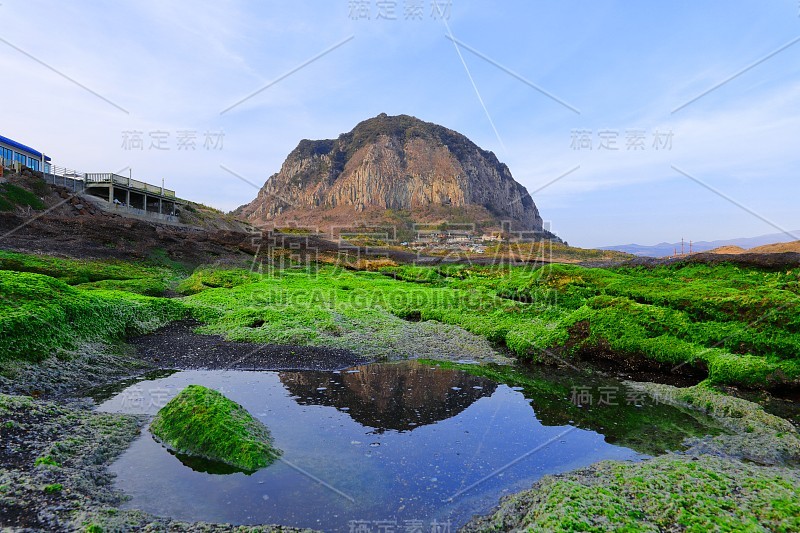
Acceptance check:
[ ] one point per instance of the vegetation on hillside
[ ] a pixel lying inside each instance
(86, 271)
(13, 196)
(546, 251)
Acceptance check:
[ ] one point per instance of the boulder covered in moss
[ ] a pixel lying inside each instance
(753, 434)
(201, 422)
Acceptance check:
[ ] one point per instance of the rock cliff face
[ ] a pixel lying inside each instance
(399, 163)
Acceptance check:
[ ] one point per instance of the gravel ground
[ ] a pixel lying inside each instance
(177, 346)
(93, 364)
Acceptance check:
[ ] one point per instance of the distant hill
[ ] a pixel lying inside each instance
(393, 171)
(666, 249)
(728, 250)
(777, 248)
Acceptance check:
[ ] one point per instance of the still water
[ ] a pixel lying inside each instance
(403, 445)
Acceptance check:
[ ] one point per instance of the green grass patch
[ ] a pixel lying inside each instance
(201, 422)
(53, 303)
(12, 196)
(82, 271)
(143, 286)
(741, 324)
(210, 278)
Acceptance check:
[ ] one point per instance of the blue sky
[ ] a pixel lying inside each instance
(625, 66)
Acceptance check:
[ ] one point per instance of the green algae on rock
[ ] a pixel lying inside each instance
(741, 481)
(753, 434)
(668, 493)
(201, 422)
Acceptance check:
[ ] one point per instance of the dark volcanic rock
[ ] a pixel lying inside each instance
(176, 346)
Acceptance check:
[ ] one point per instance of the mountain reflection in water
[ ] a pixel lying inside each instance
(396, 397)
(399, 441)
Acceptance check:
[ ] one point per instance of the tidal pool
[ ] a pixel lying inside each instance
(382, 446)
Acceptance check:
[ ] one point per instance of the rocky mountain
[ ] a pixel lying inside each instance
(393, 170)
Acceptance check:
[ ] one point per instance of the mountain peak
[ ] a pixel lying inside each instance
(391, 170)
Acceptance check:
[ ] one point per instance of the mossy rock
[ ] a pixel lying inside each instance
(752, 433)
(201, 422)
(668, 493)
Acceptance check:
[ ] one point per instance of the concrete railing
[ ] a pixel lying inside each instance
(116, 179)
(71, 183)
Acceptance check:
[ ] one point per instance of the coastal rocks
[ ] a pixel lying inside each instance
(203, 423)
(753, 434)
(722, 481)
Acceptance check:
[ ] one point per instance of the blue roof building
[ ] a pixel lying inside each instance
(12, 151)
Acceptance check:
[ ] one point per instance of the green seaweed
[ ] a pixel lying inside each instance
(41, 315)
(668, 493)
(79, 271)
(739, 325)
(46, 460)
(53, 488)
(203, 423)
(719, 484)
(210, 278)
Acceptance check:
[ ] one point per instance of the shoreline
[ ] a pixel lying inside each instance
(68, 445)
